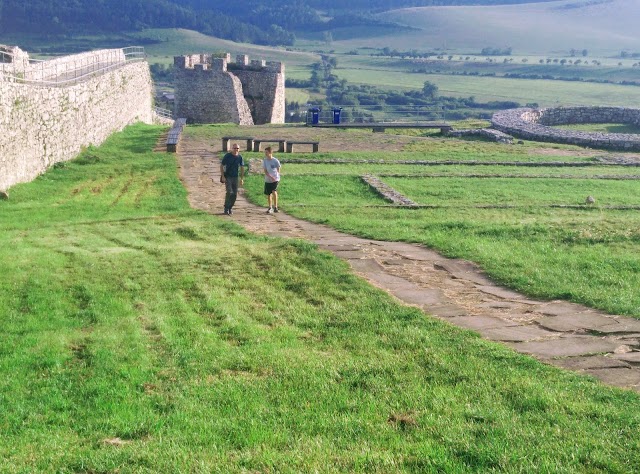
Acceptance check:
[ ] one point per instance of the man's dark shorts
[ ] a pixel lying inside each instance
(270, 187)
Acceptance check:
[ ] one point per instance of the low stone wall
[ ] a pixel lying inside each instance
(536, 124)
(45, 125)
(386, 191)
(491, 134)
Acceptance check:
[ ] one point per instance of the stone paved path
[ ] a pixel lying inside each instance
(564, 334)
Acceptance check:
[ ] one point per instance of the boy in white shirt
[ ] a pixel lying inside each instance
(271, 167)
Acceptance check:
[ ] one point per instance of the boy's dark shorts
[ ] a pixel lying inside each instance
(270, 187)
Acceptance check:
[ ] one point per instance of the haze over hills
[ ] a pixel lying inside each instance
(603, 27)
(536, 27)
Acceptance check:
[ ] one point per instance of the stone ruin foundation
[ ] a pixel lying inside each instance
(537, 124)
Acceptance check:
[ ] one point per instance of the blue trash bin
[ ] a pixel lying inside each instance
(336, 114)
(315, 115)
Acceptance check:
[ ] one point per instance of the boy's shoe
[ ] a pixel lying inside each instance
(275, 209)
(226, 211)
(230, 211)
(270, 211)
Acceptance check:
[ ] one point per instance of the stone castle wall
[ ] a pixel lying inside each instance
(30, 70)
(210, 89)
(41, 125)
(537, 124)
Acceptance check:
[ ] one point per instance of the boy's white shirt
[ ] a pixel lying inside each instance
(277, 169)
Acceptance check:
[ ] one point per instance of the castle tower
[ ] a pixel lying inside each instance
(212, 89)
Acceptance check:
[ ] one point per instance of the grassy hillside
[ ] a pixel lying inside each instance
(140, 336)
(604, 27)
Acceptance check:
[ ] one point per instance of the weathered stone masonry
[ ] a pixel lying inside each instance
(212, 89)
(41, 125)
(537, 124)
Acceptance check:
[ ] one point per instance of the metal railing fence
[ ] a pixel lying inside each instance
(165, 113)
(68, 69)
(376, 114)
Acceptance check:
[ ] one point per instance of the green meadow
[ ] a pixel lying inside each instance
(528, 227)
(546, 93)
(139, 335)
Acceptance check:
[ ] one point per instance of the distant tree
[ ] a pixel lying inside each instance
(585, 53)
(315, 78)
(429, 90)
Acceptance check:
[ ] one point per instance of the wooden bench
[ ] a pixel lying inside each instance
(173, 137)
(226, 140)
(281, 143)
(315, 145)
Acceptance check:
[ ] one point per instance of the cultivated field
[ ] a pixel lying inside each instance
(546, 93)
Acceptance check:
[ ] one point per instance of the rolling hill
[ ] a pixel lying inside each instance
(603, 27)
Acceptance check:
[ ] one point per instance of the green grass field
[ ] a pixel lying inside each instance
(358, 70)
(603, 127)
(533, 232)
(139, 335)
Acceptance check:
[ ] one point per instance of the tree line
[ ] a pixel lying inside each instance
(72, 17)
(269, 22)
(338, 92)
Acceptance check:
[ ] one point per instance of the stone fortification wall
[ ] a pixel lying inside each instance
(43, 125)
(206, 93)
(62, 67)
(537, 124)
(212, 89)
(13, 58)
(263, 88)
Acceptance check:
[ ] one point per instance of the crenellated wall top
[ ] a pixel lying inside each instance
(223, 63)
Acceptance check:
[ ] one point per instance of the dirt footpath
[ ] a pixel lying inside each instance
(563, 334)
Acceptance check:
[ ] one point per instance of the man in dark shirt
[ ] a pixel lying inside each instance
(231, 168)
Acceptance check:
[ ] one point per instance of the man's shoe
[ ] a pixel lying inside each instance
(275, 209)
(230, 211)
(270, 211)
(226, 211)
